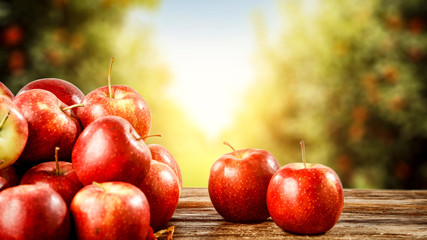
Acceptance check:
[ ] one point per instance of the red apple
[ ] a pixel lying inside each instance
(162, 189)
(13, 132)
(110, 149)
(51, 124)
(161, 154)
(116, 100)
(65, 91)
(238, 184)
(10, 175)
(33, 212)
(305, 198)
(111, 210)
(59, 175)
(4, 91)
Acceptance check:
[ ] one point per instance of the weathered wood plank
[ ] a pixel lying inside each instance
(367, 214)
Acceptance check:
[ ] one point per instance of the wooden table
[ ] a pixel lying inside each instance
(367, 214)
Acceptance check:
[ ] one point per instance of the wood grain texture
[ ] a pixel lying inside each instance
(367, 214)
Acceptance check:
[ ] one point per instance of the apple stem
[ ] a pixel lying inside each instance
(109, 78)
(153, 135)
(234, 150)
(303, 152)
(73, 106)
(99, 185)
(56, 161)
(4, 119)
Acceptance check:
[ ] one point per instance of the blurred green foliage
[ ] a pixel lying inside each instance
(351, 80)
(72, 40)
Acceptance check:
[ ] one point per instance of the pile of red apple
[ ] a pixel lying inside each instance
(77, 166)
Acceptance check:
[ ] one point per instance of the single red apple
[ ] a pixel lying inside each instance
(65, 91)
(10, 175)
(161, 154)
(116, 100)
(51, 124)
(162, 189)
(59, 175)
(110, 149)
(305, 198)
(111, 210)
(4, 91)
(238, 184)
(33, 212)
(13, 132)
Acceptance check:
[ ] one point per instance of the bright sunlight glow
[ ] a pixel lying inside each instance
(209, 82)
(210, 54)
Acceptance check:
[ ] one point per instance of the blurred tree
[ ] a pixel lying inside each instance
(350, 79)
(71, 40)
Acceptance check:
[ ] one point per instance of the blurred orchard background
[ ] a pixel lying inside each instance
(348, 77)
